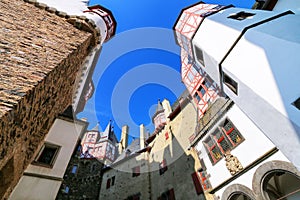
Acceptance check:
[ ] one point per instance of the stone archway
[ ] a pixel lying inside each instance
(238, 192)
(277, 180)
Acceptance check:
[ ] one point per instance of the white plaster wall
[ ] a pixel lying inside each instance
(76, 7)
(88, 64)
(254, 146)
(66, 135)
(32, 188)
(246, 179)
(217, 34)
(265, 65)
(283, 5)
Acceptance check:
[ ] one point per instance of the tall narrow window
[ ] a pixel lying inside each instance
(108, 183)
(213, 150)
(113, 180)
(47, 155)
(221, 140)
(234, 136)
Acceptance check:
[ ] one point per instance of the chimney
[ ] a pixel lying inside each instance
(142, 136)
(124, 139)
(167, 107)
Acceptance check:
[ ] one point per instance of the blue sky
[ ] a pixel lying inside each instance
(141, 64)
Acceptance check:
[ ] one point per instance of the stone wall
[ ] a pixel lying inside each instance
(85, 181)
(40, 54)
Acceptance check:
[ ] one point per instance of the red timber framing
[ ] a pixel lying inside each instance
(189, 21)
(108, 19)
(199, 85)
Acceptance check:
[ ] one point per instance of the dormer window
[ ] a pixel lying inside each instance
(241, 15)
(297, 103)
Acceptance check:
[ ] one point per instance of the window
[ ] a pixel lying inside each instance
(66, 190)
(113, 180)
(136, 171)
(74, 169)
(213, 150)
(163, 167)
(223, 139)
(202, 90)
(168, 195)
(167, 135)
(241, 15)
(297, 103)
(134, 197)
(108, 183)
(230, 83)
(197, 183)
(199, 55)
(47, 155)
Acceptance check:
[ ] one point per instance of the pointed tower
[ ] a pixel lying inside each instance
(159, 118)
(89, 139)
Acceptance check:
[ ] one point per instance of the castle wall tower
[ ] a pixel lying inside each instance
(200, 85)
(159, 118)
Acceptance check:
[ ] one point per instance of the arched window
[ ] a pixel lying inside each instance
(240, 196)
(281, 185)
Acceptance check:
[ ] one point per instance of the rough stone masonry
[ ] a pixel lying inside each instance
(40, 55)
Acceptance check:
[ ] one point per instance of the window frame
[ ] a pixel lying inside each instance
(212, 139)
(199, 52)
(46, 145)
(230, 83)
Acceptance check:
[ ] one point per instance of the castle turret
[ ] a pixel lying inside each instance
(159, 117)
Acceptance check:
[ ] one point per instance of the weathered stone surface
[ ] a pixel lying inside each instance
(40, 54)
(83, 183)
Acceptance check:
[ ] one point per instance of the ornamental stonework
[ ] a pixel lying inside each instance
(233, 164)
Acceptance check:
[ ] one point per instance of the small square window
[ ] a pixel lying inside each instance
(297, 103)
(136, 171)
(47, 155)
(199, 55)
(230, 83)
(241, 15)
